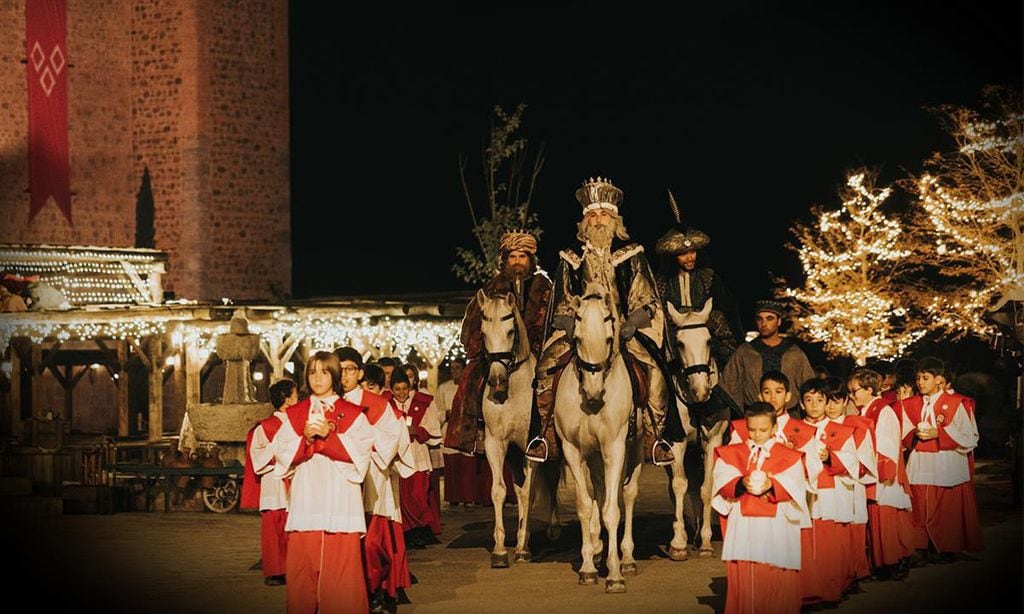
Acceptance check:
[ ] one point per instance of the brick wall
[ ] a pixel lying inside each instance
(195, 90)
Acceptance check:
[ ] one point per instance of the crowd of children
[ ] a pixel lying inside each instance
(871, 476)
(344, 480)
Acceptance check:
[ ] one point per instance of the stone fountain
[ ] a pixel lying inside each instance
(227, 423)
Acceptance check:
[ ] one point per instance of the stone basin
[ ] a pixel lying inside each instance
(226, 423)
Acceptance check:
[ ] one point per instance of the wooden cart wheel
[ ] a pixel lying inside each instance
(223, 496)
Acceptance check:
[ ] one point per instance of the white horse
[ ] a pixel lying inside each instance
(593, 403)
(507, 404)
(693, 343)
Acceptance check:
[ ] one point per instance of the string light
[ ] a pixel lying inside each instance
(970, 221)
(851, 258)
(89, 275)
(431, 339)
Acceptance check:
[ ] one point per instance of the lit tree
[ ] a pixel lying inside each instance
(969, 225)
(508, 189)
(852, 260)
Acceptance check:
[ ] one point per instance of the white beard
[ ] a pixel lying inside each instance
(600, 236)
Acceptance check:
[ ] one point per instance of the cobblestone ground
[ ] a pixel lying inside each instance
(200, 562)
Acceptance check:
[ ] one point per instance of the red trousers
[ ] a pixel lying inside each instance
(890, 534)
(325, 573)
(947, 516)
(824, 566)
(758, 588)
(387, 566)
(273, 541)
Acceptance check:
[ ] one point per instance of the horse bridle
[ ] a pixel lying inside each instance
(704, 367)
(505, 359)
(595, 367)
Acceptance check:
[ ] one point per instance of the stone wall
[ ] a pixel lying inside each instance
(195, 90)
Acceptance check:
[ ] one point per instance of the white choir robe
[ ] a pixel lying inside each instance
(273, 492)
(945, 467)
(771, 540)
(836, 503)
(391, 459)
(889, 433)
(865, 475)
(431, 422)
(326, 494)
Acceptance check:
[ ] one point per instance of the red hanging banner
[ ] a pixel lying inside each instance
(49, 166)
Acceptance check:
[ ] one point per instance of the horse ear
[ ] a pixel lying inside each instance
(574, 301)
(677, 317)
(480, 297)
(704, 313)
(509, 299)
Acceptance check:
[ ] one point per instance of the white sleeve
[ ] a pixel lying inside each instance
(847, 455)
(962, 430)
(261, 453)
(888, 434)
(795, 483)
(722, 474)
(867, 459)
(358, 442)
(285, 446)
(431, 422)
(386, 433)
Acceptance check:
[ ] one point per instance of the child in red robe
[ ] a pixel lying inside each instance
(262, 490)
(760, 486)
(941, 434)
(327, 442)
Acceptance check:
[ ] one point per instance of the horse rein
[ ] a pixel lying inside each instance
(704, 367)
(595, 367)
(506, 359)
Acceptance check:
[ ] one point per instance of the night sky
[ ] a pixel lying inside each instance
(750, 114)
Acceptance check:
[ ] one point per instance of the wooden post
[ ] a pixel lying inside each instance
(123, 422)
(16, 424)
(69, 392)
(38, 372)
(154, 348)
(193, 383)
(432, 375)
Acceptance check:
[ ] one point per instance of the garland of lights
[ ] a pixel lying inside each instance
(850, 258)
(432, 340)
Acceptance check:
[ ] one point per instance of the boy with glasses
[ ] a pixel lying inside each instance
(890, 527)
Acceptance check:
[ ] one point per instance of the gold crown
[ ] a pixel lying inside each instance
(599, 194)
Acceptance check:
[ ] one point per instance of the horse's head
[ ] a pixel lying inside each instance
(596, 342)
(693, 342)
(505, 344)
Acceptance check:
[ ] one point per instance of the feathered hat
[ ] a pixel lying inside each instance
(679, 240)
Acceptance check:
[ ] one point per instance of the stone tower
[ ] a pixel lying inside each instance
(195, 90)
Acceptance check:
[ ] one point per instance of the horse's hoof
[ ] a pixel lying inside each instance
(706, 552)
(522, 556)
(554, 532)
(588, 577)
(615, 586)
(499, 561)
(628, 568)
(678, 554)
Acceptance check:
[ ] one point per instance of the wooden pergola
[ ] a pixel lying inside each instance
(177, 341)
